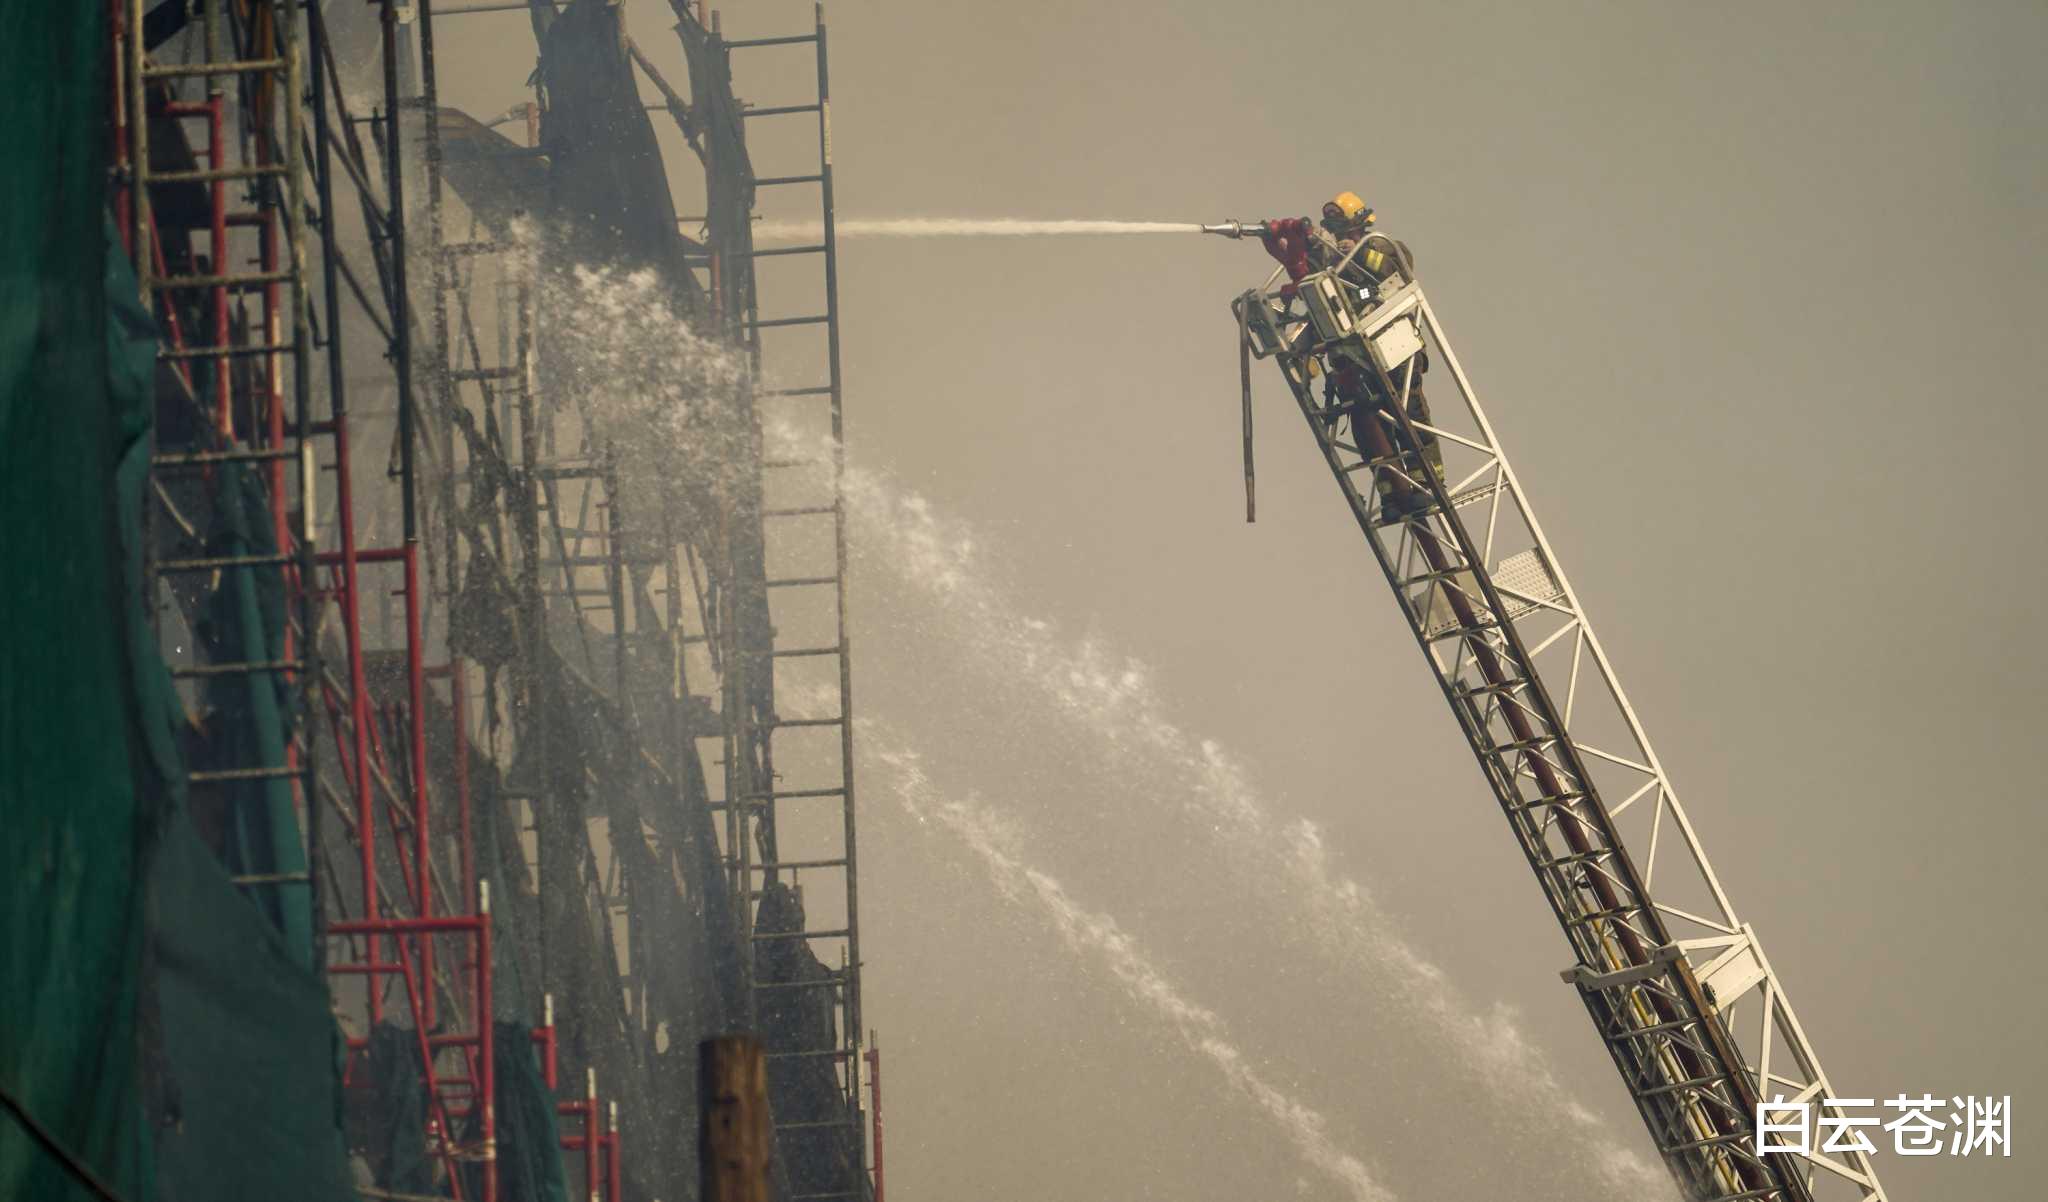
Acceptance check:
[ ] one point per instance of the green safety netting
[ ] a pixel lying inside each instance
(530, 1167)
(71, 895)
(396, 1139)
(162, 1029)
(243, 621)
(161, 1034)
(249, 1046)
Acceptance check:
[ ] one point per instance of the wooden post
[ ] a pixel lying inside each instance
(734, 1148)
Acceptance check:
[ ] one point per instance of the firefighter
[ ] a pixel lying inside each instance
(1370, 258)
(1347, 223)
(1302, 246)
(1350, 386)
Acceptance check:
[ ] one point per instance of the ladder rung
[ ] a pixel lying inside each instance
(238, 455)
(1593, 916)
(223, 774)
(802, 581)
(1678, 1024)
(826, 1054)
(811, 462)
(759, 937)
(209, 174)
(1561, 800)
(1675, 1149)
(225, 352)
(794, 652)
(236, 67)
(1681, 1086)
(270, 878)
(774, 180)
(250, 667)
(1463, 632)
(788, 793)
(832, 982)
(213, 562)
(1432, 577)
(799, 511)
(790, 40)
(808, 721)
(773, 251)
(778, 110)
(777, 865)
(816, 319)
(240, 283)
(814, 390)
(1397, 519)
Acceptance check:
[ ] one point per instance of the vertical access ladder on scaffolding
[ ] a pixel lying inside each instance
(248, 69)
(261, 47)
(822, 584)
(1677, 985)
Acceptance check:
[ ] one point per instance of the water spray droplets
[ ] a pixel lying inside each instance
(1098, 937)
(1110, 698)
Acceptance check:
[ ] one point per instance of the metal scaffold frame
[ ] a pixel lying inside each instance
(808, 584)
(301, 227)
(1677, 984)
(271, 148)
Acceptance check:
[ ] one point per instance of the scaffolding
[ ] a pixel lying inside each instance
(478, 721)
(220, 246)
(806, 488)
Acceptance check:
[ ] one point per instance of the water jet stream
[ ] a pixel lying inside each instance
(962, 227)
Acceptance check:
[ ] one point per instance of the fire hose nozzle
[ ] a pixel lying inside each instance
(1236, 229)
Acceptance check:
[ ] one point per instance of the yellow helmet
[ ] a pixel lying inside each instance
(1346, 209)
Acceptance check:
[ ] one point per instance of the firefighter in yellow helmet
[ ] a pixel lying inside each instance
(1346, 216)
(1347, 222)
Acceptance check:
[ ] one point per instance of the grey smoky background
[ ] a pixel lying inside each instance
(1752, 294)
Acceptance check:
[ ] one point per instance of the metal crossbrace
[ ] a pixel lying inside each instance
(1678, 987)
(808, 592)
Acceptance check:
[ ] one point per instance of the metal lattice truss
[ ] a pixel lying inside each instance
(1677, 984)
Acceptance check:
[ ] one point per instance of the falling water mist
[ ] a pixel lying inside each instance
(1508, 1095)
(1097, 937)
(1514, 1096)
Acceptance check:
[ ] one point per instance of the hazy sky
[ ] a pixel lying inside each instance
(1751, 293)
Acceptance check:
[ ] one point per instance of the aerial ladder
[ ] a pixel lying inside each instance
(1676, 983)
